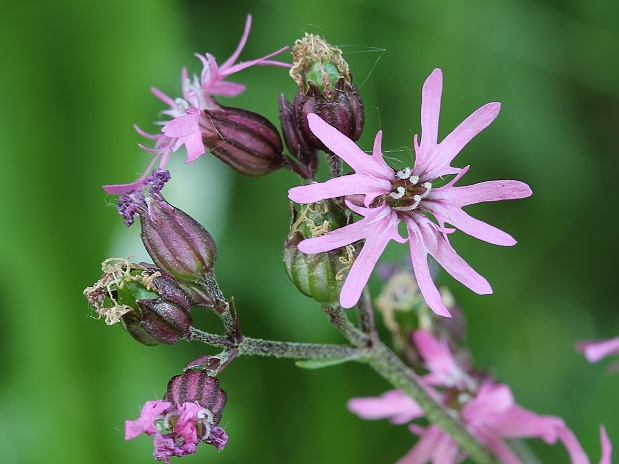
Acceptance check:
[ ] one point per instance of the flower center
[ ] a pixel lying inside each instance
(406, 192)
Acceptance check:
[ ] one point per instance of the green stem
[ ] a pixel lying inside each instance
(257, 347)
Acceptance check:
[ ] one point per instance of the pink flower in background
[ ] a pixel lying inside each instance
(189, 122)
(408, 196)
(595, 350)
(486, 409)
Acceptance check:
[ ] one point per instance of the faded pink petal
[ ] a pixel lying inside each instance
(430, 111)
(433, 159)
(460, 136)
(185, 425)
(595, 350)
(338, 186)
(393, 405)
(433, 445)
(424, 239)
(145, 423)
(213, 75)
(421, 268)
(183, 126)
(384, 229)
(444, 370)
(494, 190)
(607, 447)
(573, 446)
(338, 143)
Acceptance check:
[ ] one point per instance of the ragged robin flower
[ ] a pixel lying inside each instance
(188, 415)
(191, 125)
(410, 195)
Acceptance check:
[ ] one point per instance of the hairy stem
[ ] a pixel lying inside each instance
(257, 347)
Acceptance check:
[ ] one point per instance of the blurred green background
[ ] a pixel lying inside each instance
(75, 76)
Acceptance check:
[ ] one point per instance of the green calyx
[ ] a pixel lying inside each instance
(324, 75)
(319, 276)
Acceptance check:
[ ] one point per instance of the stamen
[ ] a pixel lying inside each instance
(414, 180)
(404, 173)
(417, 198)
(401, 191)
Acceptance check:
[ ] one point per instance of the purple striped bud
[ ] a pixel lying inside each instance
(296, 143)
(199, 388)
(245, 141)
(178, 244)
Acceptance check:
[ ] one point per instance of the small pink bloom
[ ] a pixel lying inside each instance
(409, 196)
(190, 417)
(189, 122)
(595, 350)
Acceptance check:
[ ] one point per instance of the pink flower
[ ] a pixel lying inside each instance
(188, 415)
(595, 350)
(487, 410)
(177, 429)
(189, 122)
(409, 195)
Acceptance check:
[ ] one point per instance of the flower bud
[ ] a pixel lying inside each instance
(150, 305)
(319, 276)
(295, 142)
(178, 244)
(245, 141)
(325, 88)
(199, 388)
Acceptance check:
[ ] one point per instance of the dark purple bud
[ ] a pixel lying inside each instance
(245, 141)
(344, 111)
(200, 388)
(295, 142)
(178, 244)
(325, 88)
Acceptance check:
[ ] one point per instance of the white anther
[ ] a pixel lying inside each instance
(414, 179)
(396, 196)
(404, 173)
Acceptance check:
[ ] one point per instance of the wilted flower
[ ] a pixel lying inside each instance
(150, 305)
(188, 415)
(408, 196)
(191, 125)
